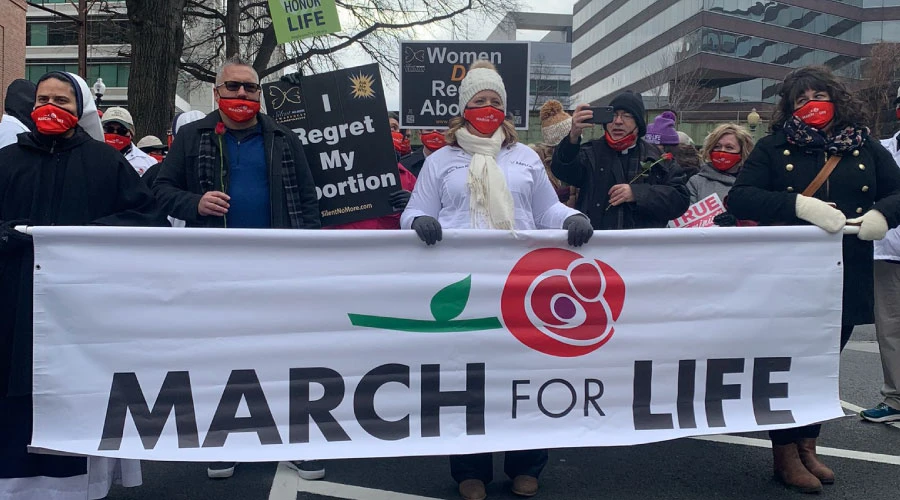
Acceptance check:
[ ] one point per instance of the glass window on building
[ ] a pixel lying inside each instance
(36, 34)
(114, 75)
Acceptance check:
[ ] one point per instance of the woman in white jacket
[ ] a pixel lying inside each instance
(485, 179)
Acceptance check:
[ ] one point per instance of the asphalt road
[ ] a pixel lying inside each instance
(865, 457)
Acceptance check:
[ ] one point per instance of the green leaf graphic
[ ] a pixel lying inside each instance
(451, 300)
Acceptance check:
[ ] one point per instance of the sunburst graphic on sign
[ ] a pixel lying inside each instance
(363, 86)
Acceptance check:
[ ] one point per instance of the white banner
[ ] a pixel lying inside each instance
(243, 345)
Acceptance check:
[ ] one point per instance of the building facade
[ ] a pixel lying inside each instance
(737, 51)
(551, 57)
(12, 42)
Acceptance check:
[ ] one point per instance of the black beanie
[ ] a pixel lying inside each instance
(634, 104)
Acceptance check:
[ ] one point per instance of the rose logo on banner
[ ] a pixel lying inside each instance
(446, 305)
(557, 302)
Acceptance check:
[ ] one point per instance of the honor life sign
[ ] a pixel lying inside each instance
(431, 72)
(338, 344)
(341, 119)
(297, 19)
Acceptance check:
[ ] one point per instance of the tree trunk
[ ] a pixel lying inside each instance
(157, 38)
(232, 28)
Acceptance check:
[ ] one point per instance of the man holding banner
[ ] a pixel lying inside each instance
(252, 172)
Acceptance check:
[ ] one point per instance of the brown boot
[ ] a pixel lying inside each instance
(525, 486)
(807, 450)
(472, 489)
(790, 470)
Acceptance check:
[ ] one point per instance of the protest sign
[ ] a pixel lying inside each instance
(296, 19)
(431, 72)
(700, 214)
(341, 119)
(288, 345)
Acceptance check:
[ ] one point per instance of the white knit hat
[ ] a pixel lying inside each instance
(481, 76)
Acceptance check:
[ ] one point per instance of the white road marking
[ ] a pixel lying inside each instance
(863, 346)
(354, 492)
(821, 450)
(285, 484)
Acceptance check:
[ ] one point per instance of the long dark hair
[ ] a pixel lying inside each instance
(848, 110)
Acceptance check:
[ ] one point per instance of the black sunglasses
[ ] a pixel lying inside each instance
(235, 86)
(115, 129)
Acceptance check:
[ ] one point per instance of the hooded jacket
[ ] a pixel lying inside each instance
(889, 247)
(17, 111)
(709, 181)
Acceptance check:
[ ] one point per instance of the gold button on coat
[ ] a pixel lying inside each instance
(865, 189)
(787, 152)
(790, 189)
(855, 152)
(862, 167)
(859, 210)
(789, 167)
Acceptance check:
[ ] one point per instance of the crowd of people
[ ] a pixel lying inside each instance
(237, 168)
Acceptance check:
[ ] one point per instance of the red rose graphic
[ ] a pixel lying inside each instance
(560, 303)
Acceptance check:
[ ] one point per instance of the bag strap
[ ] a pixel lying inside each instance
(822, 176)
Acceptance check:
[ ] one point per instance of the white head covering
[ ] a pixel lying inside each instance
(184, 118)
(477, 79)
(89, 119)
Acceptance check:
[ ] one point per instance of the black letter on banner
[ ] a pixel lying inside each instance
(126, 395)
(592, 398)
(717, 391)
(687, 375)
(644, 419)
(242, 384)
(364, 402)
(764, 391)
(301, 408)
(433, 399)
(540, 398)
(517, 397)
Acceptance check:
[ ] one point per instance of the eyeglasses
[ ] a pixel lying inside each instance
(235, 86)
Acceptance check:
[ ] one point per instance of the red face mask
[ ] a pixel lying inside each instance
(486, 119)
(239, 110)
(51, 119)
(816, 114)
(622, 144)
(433, 141)
(401, 143)
(898, 113)
(723, 160)
(156, 156)
(117, 141)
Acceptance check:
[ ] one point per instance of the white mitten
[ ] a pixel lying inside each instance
(816, 211)
(872, 226)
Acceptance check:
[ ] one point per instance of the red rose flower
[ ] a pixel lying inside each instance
(220, 128)
(667, 156)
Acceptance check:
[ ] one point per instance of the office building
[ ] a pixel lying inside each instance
(729, 51)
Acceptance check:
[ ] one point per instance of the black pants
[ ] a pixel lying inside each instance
(788, 436)
(481, 465)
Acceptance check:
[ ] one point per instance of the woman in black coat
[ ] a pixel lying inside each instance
(816, 118)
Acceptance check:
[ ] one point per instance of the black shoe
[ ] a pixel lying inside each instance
(309, 469)
(220, 470)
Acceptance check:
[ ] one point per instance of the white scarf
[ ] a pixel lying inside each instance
(489, 197)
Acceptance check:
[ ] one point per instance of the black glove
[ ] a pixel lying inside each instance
(428, 229)
(292, 78)
(10, 239)
(399, 199)
(725, 220)
(580, 229)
